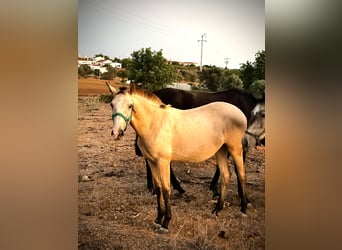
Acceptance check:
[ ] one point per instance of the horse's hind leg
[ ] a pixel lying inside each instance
(240, 192)
(236, 152)
(221, 158)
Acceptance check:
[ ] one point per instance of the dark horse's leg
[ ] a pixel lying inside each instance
(174, 181)
(149, 178)
(213, 184)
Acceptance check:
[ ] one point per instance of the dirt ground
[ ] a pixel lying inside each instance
(116, 211)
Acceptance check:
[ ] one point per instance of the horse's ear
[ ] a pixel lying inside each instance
(111, 89)
(132, 87)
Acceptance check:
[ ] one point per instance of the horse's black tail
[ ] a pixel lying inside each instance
(136, 147)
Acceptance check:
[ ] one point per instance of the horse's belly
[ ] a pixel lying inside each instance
(195, 152)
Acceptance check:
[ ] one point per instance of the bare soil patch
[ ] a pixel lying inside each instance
(116, 211)
(93, 86)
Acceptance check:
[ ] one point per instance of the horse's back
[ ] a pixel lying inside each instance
(220, 110)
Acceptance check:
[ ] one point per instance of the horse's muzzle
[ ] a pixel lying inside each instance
(117, 134)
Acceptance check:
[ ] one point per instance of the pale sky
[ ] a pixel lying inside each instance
(234, 29)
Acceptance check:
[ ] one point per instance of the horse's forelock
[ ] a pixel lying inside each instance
(122, 90)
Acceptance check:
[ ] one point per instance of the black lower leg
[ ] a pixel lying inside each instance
(175, 182)
(167, 216)
(243, 205)
(161, 213)
(136, 147)
(149, 177)
(214, 181)
(240, 192)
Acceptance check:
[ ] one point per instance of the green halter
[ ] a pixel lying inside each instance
(127, 120)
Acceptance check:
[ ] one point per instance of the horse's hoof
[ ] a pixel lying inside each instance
(163, 230)
(215, 211)
(243, 215)
(180, 192)
(156, 225)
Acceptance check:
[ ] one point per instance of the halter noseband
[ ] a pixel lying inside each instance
(257, 137)
(127, 120)
(261, 135)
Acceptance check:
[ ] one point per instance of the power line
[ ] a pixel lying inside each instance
(202, 40)
(226, 60)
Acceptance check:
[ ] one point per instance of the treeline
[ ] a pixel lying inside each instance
(153, 71)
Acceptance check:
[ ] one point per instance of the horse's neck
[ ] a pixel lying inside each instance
(145, 115)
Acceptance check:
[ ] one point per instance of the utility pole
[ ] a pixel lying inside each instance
(226, 59)
(202, 40)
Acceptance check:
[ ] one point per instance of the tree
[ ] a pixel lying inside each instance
(211, 77)
(250, 72)
(259, 65)
(97, 72)
(84, 71)
(247, 74)
(232, 81)
(151, 69)
(257, 89)
(123, 74)
(110, 74)
(126, 62)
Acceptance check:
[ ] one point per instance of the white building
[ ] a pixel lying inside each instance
(179, 85)
(97, 63)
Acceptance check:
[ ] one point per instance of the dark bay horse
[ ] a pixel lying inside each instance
(184, 99)
(166, 134)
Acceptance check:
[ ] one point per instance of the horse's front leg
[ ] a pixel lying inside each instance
(160, 206)
(240, 190)
(214, 181)
(164, 168)
(241, 176)
(161, 179)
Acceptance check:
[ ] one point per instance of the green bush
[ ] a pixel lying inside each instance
(106, 98)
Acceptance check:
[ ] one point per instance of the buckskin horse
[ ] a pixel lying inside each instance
(184, 99)
(166, 134)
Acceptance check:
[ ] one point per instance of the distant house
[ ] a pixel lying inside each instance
(84, 60)
(116, 65)
(182, 63)
(97, 63)
(178, 85)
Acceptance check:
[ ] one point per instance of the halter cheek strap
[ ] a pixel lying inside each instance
(126, 119)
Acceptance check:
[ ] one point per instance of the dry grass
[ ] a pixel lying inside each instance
(117, 212)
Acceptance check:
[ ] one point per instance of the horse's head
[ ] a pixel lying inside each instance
(256, 126)
(122, 109)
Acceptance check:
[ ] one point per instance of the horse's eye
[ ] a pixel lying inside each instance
(130, 106)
